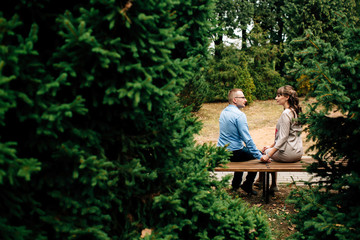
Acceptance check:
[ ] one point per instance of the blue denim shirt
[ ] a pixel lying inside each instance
(234, 131)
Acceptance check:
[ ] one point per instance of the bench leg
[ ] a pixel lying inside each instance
(266, 187)
(263, 183)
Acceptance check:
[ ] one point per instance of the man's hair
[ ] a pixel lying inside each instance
(232, 92)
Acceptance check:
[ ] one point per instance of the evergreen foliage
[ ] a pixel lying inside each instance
(265, 56)
(330, 209)
(316, 16)
(94, 143)
(196, 19)
(227, 72)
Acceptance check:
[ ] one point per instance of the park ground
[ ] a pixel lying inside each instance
(262, 117)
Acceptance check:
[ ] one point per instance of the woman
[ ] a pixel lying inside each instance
(287, 146)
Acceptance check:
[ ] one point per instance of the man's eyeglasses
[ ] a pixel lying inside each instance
(240, 97)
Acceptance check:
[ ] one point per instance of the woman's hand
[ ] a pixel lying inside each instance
(265, 148)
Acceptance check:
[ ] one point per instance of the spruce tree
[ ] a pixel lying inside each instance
(329, 209)
(196, 19)
(317, 16)
(94, 142)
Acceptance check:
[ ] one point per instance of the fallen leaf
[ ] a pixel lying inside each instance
(145, 232)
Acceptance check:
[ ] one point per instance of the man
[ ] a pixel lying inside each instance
(234, 134)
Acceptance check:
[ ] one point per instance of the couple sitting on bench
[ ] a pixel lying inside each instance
(234, 134)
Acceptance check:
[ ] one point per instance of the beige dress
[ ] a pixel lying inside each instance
(287, 138)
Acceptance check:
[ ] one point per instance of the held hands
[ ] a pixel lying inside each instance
(265, 158)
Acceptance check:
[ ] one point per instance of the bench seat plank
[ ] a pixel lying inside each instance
(257, 166)
(248, 166)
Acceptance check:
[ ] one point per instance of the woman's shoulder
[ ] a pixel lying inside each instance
(286, 112)
(289, 112)
(286, 115)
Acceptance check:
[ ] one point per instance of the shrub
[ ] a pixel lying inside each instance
(228, 72)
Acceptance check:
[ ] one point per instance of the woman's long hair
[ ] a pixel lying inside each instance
(293, 100)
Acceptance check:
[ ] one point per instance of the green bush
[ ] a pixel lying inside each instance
(227, 72)
(267, 81)
(94, 143)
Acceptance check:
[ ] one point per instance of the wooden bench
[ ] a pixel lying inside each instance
(257, 166)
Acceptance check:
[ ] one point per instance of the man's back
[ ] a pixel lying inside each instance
(231, 119)
(234, 131)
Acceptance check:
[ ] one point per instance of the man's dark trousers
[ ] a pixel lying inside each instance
(242, 156)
